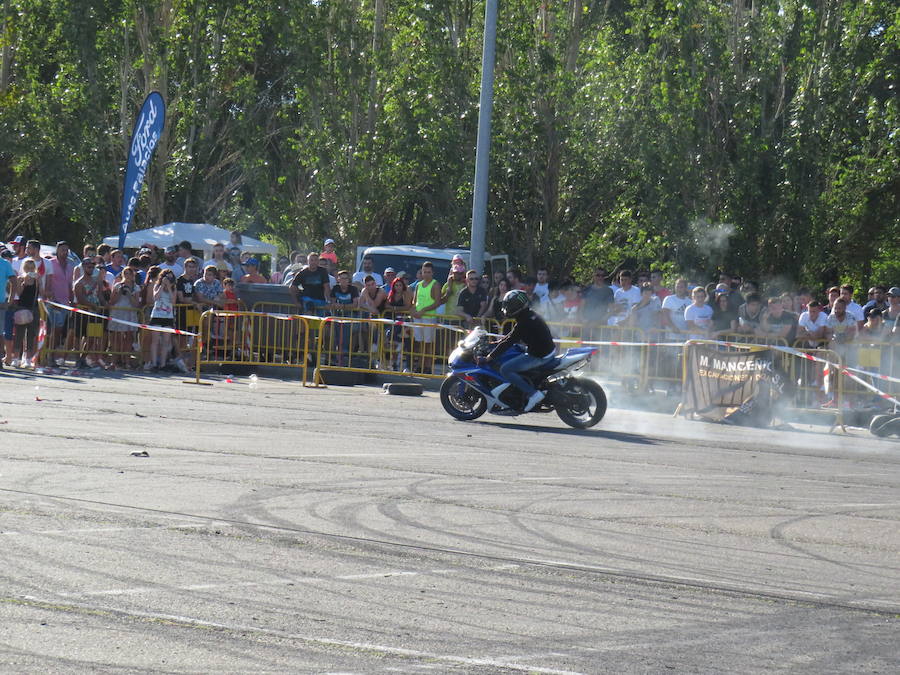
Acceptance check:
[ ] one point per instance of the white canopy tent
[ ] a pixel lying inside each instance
(201, 235)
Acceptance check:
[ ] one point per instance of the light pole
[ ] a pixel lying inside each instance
(483, 148)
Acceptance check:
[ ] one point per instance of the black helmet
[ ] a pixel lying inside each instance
(514, 302)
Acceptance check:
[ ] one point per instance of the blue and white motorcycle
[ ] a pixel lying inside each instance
(471, 389)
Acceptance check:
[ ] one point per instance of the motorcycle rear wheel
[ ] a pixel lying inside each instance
(581, 403)
(461, 401)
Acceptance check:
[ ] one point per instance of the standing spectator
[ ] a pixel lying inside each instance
(750, 315)
(124, 303)
(471, 301)
(803, 299)
(645, 314)
(874, 329)
(698, 315)
(573, 309)
(7, 291)
(673, 311)
(314, 282)
(812, 324)
(116, 262)
(162, 315)
(456, 281)
(372, 297)
(513, 278)
(33, 252)
(209, 293)
(105, 252)
(328, 252)
(399, 300)
(878, 301)
(551, 308)
(278, 275)
(426, 301)
(891, 316)
(842, 330)
(494, 311)
(251, 265)
(27, 316)
(172, 262)
(368, 268)
(186, 318)
(659, 290)
(627, 296)
(853, 309)
(723, 313)
(542, 285)
(389, 275)
(89, 291)
(778, 323)
(598, 297)
(344, 295)
(234, 256)
(219, 261)
(58, 288)
(833, 294)
(17, 245)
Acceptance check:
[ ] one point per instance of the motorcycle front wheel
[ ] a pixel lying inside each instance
(461, 401)
(580, 403)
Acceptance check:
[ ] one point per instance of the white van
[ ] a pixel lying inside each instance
(410, 258)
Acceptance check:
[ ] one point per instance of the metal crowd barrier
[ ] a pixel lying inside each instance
(396, 346)
(254, 339)
(70, 336)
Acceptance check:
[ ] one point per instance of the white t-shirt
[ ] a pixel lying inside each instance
(855, 310)
(627, 298)
(360, 278)
(676, 307)
(810, 325)
(842, 329)
(176, 267)
(701, 316)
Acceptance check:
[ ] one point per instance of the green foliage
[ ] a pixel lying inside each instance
(685, 136)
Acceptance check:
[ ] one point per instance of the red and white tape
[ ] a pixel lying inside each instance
(158, 329)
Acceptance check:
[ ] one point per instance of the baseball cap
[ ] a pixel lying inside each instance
(329, 241)
(895, 291)
(252, 261)
(389, 269)
(172, 249)
(6, 253)
(18, 241)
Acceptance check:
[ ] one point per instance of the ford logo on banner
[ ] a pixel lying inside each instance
(144, 138)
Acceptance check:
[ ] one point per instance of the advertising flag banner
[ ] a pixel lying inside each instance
(147, 130)
(726, 386)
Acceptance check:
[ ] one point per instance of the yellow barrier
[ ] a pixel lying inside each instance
(88, 340)
(415, 349)
(253, 339)
(873, 356)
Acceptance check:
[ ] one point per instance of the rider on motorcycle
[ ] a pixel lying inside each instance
(531, 330)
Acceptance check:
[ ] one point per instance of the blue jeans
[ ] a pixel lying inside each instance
(8, 322)
(519, 364)
(312, 305)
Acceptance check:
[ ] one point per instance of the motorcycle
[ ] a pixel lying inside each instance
(472, 388)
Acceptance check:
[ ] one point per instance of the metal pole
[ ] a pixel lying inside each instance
(483, 149)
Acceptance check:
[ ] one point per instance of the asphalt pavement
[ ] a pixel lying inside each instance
(151, 525)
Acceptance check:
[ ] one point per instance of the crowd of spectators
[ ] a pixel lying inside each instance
(161, 282)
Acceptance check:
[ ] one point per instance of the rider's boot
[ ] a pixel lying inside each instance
(533, 400)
